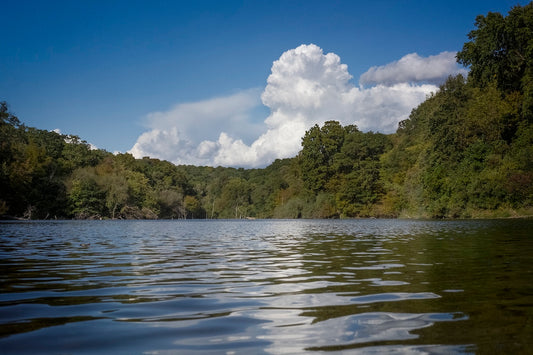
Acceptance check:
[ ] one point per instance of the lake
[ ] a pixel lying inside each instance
(266, 287)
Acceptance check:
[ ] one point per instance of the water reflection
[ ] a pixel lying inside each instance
(366, 286)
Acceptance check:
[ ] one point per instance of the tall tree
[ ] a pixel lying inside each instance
(501, 50)
(319, 147)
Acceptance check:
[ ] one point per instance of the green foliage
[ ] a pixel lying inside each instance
(319, 146)
(30, 175)
(501, 50)
(456, 153)
(235, 199)
(86, 198)
(342, 163)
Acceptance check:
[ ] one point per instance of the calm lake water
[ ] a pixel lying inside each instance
(266, 286)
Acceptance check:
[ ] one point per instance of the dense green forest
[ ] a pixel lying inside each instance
(466, 152)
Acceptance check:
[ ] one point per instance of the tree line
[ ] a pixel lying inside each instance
(467, 151)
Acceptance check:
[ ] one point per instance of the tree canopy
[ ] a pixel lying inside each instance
(500, 50)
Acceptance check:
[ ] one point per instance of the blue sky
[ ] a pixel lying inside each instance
(190, 77)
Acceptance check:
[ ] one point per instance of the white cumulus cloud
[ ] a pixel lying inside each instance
(414, 68)
(305, 87)
(185, 133)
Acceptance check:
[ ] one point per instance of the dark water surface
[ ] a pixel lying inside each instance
(254, 287)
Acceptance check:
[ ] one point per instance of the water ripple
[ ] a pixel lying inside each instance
(362, 287)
